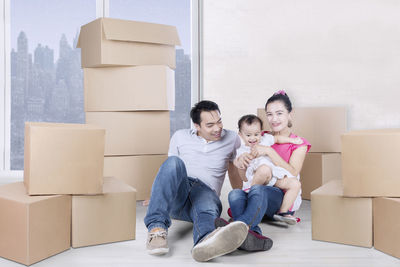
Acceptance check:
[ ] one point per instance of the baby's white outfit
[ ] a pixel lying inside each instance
(277, 172)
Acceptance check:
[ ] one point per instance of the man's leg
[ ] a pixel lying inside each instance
(206, 207)
(170, 191)
(210, 242)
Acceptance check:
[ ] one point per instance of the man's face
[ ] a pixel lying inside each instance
(210, 127)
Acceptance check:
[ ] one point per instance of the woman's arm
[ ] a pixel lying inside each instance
(295, 163)
(280, 139)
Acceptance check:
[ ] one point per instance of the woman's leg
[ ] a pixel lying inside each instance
(237, 202)
(251, 207)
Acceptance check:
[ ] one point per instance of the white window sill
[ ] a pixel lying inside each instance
(7, 177)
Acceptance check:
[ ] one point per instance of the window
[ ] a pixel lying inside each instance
(171, 12)
(46, 77)
(41, 73)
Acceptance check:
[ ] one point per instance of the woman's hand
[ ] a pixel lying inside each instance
(243, 161)
(259, 150)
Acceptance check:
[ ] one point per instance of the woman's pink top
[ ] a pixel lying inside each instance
(285, 150)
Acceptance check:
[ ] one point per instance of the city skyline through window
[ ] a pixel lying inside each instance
(46, 74)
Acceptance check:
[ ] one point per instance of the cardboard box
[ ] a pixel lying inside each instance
(321, 126)
(340, 219)
(318, 169)
(129, 88)
(386, 225)
(63, 158)
(106, 218)
(133, 133)
(33, 228)
(370, 164)
(108, 42)
(137, 171)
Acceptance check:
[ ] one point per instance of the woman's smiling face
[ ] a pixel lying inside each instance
(277, 115)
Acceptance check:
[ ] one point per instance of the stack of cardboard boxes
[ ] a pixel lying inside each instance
(362, 209)
(63, 190)
(322, 127)
(129, 90)
(65, 201)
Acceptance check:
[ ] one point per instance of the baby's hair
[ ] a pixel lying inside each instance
(249, 120)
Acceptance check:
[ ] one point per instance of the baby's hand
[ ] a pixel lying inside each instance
(297, 141)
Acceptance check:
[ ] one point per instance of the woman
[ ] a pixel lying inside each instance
(264, 200)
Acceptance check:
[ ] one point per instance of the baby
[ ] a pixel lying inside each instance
(250, 128)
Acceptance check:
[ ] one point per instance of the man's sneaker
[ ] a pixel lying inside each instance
(221, 241)
(253, 241)
(157, 242)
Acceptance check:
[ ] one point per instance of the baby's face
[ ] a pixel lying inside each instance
(251, 133)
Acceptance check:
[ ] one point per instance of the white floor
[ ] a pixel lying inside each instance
(292, 247)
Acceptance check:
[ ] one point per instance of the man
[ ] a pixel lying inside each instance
(188, 185)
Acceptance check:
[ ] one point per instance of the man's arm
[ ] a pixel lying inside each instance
(173, 146)
(234, 176)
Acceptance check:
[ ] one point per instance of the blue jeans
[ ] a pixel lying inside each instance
(251, 207)
(176, 195)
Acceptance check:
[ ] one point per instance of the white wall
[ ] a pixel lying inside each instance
(322, 52)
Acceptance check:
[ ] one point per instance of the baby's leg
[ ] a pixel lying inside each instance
(262, 175)
(292, 187)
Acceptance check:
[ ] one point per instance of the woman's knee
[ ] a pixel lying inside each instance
(235, 195)
(257, 189)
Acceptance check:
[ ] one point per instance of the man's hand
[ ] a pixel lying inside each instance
(258, 150)
(243, 161)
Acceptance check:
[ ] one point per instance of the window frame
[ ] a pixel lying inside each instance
(102, 10)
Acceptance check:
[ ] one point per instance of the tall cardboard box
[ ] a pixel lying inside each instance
(106, 218)
(133, 133)
(137, 171)
(339, 219)
(63, 158)
(110, 42)
(129, 88)
(318, 169)
(386, 225)
(33, 228)
(370, 164)
(321, 126)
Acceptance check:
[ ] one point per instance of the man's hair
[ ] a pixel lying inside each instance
(204, 105)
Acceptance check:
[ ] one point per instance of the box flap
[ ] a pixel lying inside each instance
(332, 188)
(128, 30)
(82, 32)
(16, 192)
